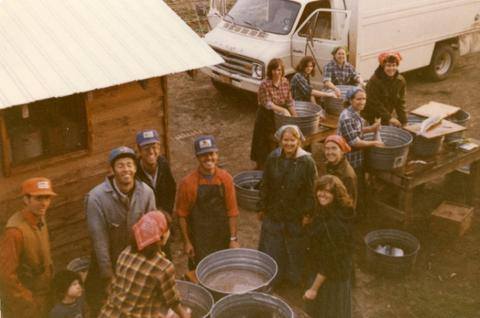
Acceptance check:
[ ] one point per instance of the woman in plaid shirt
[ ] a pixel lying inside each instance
(273, 96)
(352, 126)
(144, 285)
(339, 72)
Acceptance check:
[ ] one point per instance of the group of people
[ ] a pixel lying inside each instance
(307, 220)
(128, 218)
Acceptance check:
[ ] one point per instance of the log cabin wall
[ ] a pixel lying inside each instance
(114, 116)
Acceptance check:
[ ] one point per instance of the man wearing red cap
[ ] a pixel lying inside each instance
(144, 284)
(25, 260)
(386, 92)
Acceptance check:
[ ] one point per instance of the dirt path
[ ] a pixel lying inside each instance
(446, 279)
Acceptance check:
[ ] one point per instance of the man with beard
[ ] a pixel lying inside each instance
(206, 205)
(25, 260)
(113, 207)
(153, 170)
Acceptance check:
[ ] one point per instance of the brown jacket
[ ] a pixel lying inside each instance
(344, 171)
(25, 266)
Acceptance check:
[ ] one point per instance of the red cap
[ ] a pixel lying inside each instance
(383, 56)
(340, 141)
(149, 229)
(37, 186)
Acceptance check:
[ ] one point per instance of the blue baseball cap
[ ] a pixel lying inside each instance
(205, 144)
(121, 152)
(146, 137)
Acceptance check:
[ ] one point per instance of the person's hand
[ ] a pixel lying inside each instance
(376, 125)
(285, 112)
(260, 216)
(395, 122)
(293, 112)
(306, 220)
(234, 244)
(310, 294)
(188, 247)
(378, 143)
(338, 93)
(331, 94)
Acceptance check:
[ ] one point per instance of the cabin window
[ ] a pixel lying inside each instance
(42, 130)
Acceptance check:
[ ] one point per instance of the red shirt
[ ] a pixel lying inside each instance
(187, 192)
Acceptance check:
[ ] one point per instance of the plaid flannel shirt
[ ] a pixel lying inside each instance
(301, 88)
(280, 95)
(142, 287)
(339, 74)
(350, 126)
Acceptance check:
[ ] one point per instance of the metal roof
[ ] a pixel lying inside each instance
(54, 48)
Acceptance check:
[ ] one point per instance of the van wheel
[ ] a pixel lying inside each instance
(443, 61)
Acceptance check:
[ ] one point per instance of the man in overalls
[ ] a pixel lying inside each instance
(206, 205)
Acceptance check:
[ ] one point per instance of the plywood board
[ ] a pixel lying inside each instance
(434, 108)
(444, 128)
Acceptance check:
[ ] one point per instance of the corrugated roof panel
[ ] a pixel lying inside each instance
(53, 48)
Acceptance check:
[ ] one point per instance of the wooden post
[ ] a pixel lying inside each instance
(6, 149)
(165, 116)
(87, 98)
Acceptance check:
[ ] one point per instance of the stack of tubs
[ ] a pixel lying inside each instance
(334, 106)
(395, 152)
(239, 279)
(307, 120)
(247, 185)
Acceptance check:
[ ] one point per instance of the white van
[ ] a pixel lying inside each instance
(428, 33)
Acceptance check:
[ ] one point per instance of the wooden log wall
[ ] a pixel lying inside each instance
(115, 115)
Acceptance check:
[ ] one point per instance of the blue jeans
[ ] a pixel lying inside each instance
(286, 244)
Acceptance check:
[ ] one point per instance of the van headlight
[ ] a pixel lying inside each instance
(257, 71)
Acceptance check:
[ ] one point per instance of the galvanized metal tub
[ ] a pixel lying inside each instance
(251, 305)
(421, 146)
(333, 105)
(235, 271)
(247, 185)
(395, 152)
(387, 264)
(195, 297)
(460, 118)
(307, 120)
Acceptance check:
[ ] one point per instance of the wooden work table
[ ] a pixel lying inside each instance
(413, 175)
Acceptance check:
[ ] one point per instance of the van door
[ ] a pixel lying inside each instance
(321, 32)
(216, 12)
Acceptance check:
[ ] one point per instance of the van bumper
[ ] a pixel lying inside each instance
(234, 80)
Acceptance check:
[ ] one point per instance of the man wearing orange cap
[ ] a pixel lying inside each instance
(144, 283)
(25, 260)
(386, 92)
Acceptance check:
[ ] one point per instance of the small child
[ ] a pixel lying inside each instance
(68, 291)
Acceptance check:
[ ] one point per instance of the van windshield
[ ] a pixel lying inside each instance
(274, 16)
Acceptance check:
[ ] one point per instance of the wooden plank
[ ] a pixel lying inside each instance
(6, 149)
(434, 109)
(444, 128)
(330, 121)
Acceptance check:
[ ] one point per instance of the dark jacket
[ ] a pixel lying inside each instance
(384, 95)
(331, 242)
(344, 171)
(286, 193)
(165, 188)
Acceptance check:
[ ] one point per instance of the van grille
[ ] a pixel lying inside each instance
(235, 63)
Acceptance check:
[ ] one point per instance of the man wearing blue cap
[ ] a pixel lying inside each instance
(206, 205)
(112, 208)
(154, 170)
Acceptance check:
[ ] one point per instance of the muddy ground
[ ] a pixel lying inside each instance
(446, 279)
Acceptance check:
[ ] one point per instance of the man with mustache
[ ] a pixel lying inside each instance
(206, 205)
(25, 260)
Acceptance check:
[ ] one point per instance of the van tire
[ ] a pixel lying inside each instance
(443, 61)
